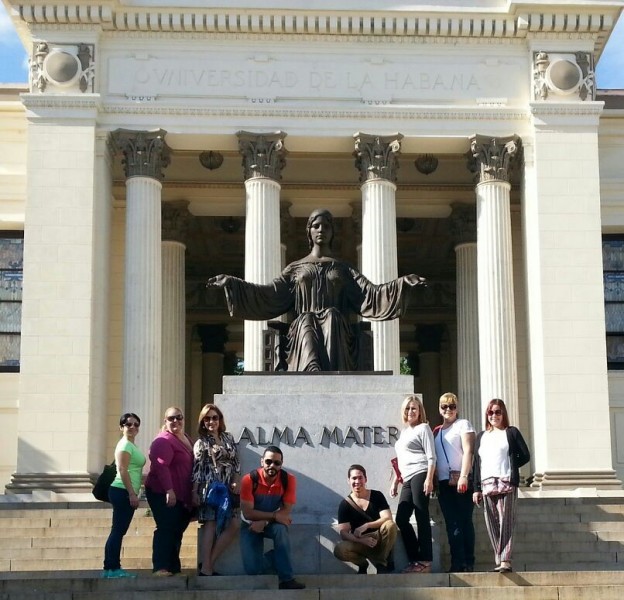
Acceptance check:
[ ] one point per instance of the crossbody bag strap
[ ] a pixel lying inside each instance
(448, 462)
(359, 509)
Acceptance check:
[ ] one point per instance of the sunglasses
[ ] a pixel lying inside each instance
(268, 462)
(448, 406)
(497, 413)
(132, 424)
(211, 418)
(173, 418)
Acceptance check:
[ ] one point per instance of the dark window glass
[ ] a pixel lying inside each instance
(613, 273)
(11, 276)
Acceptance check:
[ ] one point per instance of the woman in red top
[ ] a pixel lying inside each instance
(168, 489)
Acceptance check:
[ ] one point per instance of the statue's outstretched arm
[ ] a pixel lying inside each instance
(414, 280)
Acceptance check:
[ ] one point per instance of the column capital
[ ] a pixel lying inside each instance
(264, 154)
(463, 223)
(175, 220)
(145, 153)
(376, 156)
(492, 158)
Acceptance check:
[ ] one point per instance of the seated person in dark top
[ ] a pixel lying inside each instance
(365, 526)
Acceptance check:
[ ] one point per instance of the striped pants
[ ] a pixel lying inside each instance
(500, 518)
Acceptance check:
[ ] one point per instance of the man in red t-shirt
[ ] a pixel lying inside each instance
(267, 497)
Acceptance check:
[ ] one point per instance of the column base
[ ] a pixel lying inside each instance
(25, 483)
(558, 480)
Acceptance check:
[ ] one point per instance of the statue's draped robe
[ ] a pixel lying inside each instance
(324, 295)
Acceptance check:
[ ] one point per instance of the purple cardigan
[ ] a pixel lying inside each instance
(171, 465)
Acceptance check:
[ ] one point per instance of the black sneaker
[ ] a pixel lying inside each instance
(387, 568)
(291, 584)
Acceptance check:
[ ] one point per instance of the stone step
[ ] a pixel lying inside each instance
(473, 586)
(44, 539)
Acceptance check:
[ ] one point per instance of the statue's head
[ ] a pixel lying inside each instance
(320, 213)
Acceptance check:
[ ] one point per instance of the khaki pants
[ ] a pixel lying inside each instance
(358, 553)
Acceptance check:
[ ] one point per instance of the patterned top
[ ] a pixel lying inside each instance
(226, 458)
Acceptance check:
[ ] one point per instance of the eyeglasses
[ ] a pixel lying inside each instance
(211, 418)
(448, 406)
(173, 418)
(415, 408)
(268, 462)
(132, 424)
(497, 413)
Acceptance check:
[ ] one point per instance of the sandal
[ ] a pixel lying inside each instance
(417, 567)
(505, 567)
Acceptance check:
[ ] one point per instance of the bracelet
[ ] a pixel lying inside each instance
(463, 476)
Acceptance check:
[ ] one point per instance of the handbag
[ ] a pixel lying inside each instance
(103, 482)
(496, 486)
(395, 466)
(217, 494)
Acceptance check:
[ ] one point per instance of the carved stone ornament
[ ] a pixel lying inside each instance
(560, 75)
(63, 67)
(264, 154)
(145, 153)
(175, 220)
(376, 156)
(493, 158)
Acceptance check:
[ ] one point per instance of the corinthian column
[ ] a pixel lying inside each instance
(497, 329)
(377, 161)
(264, 157)
(175, 219)
(464, 228)
(145, 155)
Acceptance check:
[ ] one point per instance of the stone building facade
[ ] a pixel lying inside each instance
(161, 143)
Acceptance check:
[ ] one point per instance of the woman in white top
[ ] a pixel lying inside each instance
(500, 451)
(454, 443)
(416, 457)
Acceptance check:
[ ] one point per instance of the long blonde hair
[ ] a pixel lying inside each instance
(422, 415)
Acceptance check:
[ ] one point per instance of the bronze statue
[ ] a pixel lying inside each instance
(324, 294)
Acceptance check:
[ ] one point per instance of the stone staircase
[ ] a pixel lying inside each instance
(569, 547)
(44, 537)
(584, 585)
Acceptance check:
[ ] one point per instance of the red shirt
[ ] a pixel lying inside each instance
(268, 497)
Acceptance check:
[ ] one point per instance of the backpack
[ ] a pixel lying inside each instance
(255, 478)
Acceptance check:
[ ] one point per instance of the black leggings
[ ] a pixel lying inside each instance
(413, 499)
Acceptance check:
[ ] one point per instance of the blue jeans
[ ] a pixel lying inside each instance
(457, 510)
(171, 523)
(413, 499)
(252, 550)
(122, 517)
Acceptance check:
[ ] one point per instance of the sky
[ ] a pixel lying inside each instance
(14, 63)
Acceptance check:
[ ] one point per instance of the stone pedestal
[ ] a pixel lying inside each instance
(322, 423)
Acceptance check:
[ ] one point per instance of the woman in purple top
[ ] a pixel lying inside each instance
(168, 489)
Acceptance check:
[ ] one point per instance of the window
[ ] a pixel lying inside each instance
(613, 273)
(11, 275)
